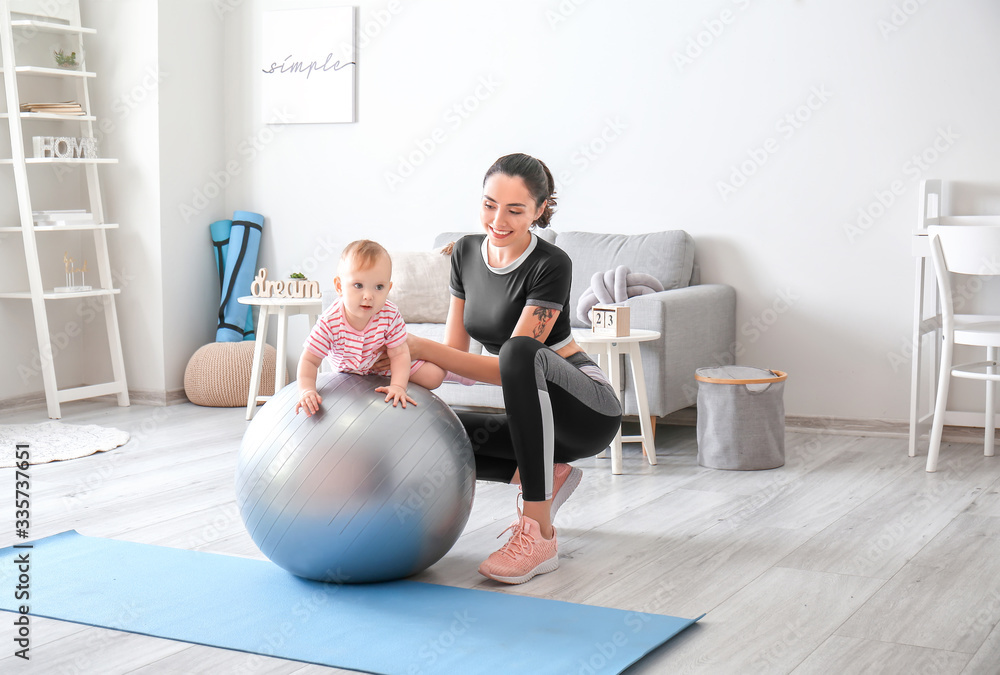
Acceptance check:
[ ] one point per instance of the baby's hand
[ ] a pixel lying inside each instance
(396, 393)
(309, 401)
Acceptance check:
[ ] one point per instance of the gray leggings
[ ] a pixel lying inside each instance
(557, 410)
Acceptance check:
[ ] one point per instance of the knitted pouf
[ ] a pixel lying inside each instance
(218, 375)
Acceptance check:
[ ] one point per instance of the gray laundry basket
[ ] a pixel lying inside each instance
(741, 418)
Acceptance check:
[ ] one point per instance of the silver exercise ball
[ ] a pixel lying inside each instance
(359, 492)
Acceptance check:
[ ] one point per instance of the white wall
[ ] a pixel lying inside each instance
(639, 140)
(125, 98)
(76, 326)
(159, 96)
(191, 149)
(872, 85)
(158, 99)
(162, 108)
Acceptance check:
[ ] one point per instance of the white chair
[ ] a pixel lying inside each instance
(971, 250)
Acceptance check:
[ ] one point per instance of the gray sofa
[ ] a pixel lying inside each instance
(697, 322)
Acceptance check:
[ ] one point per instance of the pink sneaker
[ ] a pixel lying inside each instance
(565, 479)
(525, 554)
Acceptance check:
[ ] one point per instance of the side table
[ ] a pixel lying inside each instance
(608, 348)
(282, 308)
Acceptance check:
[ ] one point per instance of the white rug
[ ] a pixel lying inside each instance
(55, 441)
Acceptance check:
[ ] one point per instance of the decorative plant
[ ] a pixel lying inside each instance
(65, 61)
(296, 275)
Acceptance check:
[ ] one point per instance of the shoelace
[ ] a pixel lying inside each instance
(519, 541)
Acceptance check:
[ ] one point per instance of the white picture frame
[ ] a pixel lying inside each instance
(308, 68)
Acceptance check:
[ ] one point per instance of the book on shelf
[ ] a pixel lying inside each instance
(63, 108)
(63, 217)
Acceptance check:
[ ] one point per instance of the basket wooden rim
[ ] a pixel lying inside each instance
(779, 377)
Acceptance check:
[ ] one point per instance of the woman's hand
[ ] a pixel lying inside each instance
(415, 344)
(396, 394)
(383, 362)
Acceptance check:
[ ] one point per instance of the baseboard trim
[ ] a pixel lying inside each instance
(845, 426)
(817, 424)
(157, 398)
(19, 402)
(135, 396)
(880, 428)
(851, 426)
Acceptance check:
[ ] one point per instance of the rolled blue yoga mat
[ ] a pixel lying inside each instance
(399, 627)
(220, 241)
(220, 230)
(240, 269)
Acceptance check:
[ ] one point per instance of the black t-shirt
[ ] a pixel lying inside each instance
(495, 297)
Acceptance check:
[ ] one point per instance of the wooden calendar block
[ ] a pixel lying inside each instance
(611, 320)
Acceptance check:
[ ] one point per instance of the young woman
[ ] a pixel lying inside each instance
(510, 291)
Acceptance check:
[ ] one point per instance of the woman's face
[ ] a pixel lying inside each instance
(508, 210)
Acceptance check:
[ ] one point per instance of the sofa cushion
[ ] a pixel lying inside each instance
(420, 285)
(435, 331)
(668, 256)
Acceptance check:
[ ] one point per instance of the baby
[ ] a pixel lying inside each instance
(352, 332)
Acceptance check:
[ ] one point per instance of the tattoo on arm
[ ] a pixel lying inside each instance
(544, 315)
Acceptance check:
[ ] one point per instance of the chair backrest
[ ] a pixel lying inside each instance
(962, 249)
(968, 249)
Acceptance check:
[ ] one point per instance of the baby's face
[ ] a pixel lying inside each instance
(364, 290)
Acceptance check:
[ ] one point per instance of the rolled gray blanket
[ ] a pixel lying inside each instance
(615, 287)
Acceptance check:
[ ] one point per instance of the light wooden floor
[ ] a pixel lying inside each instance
(850, 559)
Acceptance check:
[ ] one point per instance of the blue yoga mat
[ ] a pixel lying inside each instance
(241, 267)
(220, 241)
(400, 627)
(220, 231)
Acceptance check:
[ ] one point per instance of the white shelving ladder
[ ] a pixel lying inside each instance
(66, 22)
